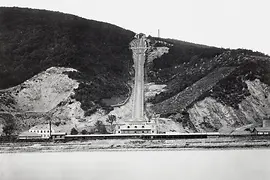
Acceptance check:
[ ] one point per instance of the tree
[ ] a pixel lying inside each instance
(100, 128)
(73, 131)
(8, 129)
(84, 132)
(111, 119)
(9, 124)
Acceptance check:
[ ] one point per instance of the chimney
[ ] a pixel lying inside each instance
(50, 127)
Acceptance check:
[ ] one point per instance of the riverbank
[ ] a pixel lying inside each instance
(134, 144)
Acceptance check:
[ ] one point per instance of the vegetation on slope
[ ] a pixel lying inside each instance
(33, 40)
(186, 64)
(233, 89)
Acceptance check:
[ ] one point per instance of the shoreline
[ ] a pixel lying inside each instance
(133, 145)
(141, 149)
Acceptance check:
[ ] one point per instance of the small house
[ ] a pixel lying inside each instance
(265, 129)
(58, 135)
(262, 130)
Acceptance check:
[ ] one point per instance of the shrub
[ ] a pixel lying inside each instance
(73, 131)
(84, 132)
(111, 119)
(100, 128)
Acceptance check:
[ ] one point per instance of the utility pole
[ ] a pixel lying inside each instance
(50, 126)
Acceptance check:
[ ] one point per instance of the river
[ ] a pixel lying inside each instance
(138, 165)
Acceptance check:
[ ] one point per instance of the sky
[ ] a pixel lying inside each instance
(221, 23)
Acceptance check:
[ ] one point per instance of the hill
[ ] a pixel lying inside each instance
(206, 84)
(73, 72)
(32, 41)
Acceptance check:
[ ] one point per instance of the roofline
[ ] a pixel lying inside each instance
(58, 133)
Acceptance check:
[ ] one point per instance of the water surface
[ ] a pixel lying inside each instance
(138, 165)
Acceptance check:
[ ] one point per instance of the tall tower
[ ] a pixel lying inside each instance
(139, 47)
(138, 124)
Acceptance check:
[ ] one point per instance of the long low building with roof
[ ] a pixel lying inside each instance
(29, 135)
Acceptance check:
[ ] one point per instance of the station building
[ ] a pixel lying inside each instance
(136, 127)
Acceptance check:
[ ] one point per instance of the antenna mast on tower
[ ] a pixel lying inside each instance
(158, 33)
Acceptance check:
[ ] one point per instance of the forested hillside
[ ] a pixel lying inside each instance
(33, 40)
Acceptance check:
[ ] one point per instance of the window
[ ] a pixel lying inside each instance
(142, 131)
(142, 126)
(118, 131)
(135, 126)
(48, 131)
(127, 126)
(152, 131)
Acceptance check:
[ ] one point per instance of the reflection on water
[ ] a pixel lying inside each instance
(138, 165)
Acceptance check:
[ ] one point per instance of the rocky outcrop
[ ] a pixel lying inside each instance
(211, 115)
(156, 52)
(46, 90)
(46, 96)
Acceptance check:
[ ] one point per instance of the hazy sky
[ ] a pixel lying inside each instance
(221, 23)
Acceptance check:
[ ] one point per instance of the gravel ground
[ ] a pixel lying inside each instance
(134, 144)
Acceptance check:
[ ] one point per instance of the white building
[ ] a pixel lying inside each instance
(136, 127)
(42, 129)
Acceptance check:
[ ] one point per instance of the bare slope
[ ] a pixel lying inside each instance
(35, 100)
